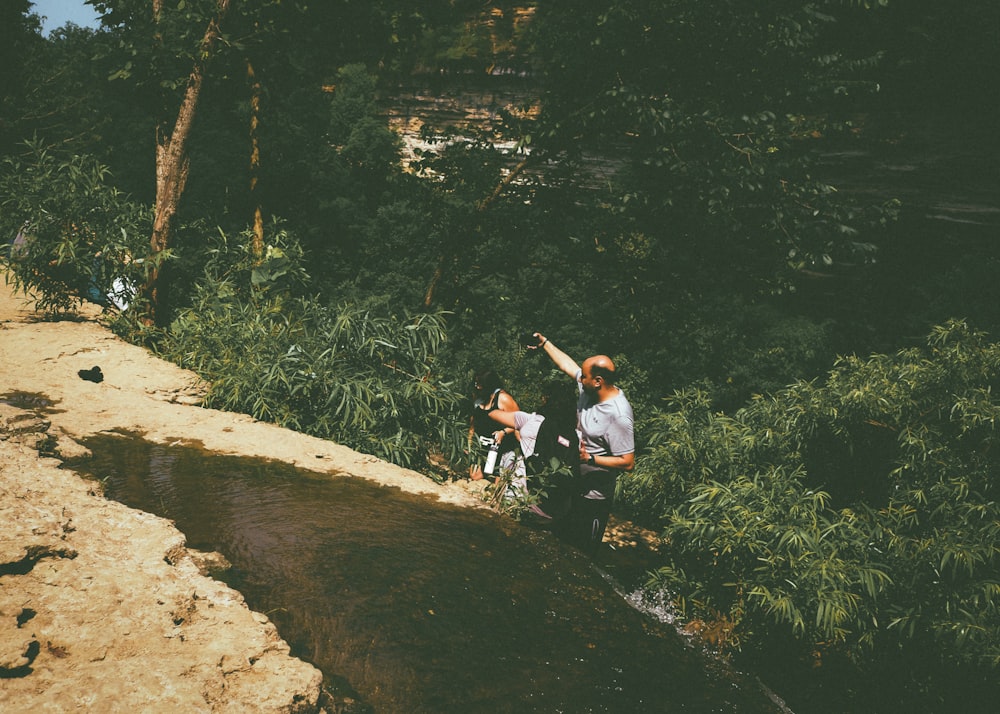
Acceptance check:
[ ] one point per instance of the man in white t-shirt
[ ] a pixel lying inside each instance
(607, 439)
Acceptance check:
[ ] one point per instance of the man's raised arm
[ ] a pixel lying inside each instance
(562, 360)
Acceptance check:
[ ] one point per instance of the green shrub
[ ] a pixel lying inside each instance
(859, 512)
(355, 373)
(79, 233)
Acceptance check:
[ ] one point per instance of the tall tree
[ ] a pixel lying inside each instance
(709, 106)
(20, 40)
(172, 160)
(289, 47)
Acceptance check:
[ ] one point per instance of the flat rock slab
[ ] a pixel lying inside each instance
(102, 608)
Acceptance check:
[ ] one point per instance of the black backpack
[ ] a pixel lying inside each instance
(553, 464)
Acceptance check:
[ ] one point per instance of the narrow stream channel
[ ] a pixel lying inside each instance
(409, 605)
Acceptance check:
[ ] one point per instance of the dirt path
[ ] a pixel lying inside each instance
(102, 608)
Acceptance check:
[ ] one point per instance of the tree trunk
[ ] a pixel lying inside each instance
(172, 161)
(258, 220)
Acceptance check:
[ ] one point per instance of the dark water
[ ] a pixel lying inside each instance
(413, 606)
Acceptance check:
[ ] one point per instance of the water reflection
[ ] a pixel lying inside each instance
(417, 606)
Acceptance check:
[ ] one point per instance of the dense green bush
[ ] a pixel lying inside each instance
(859, 511)
(78, 232)
(355, 373)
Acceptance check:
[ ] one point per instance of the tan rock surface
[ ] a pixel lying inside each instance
(144, 394)
(102, 608)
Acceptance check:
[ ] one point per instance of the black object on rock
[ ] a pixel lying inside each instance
(93, 374)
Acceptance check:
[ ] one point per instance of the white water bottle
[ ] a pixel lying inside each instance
(491, 458)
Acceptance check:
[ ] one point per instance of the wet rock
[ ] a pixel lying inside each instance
(120, 617)
(20, 422)
(210, 564)
(67, 448)
(17, 647)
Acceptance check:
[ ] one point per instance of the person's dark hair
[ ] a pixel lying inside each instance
(559, 405)
(487, 381)
(605, 373)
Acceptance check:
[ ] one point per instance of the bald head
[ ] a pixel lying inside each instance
(597, 375)
(600, 366)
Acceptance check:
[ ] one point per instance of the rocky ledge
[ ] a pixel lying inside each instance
(103, 608)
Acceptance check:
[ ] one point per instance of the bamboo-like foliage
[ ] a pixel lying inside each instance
(354, 373)
(859, 511)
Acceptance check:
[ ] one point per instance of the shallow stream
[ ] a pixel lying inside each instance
(408, 605)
